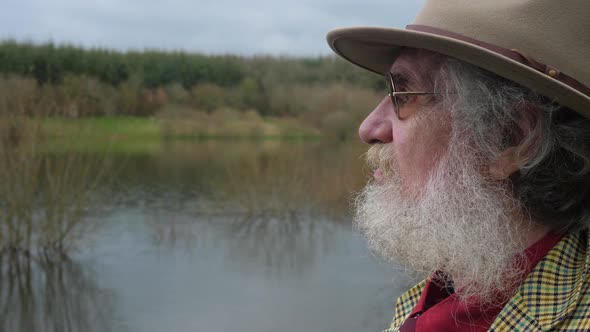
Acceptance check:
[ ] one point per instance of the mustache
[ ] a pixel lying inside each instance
(381, 156)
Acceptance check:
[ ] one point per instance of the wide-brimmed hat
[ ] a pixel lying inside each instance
(541, 44)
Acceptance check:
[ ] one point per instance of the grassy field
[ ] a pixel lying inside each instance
(129, 135)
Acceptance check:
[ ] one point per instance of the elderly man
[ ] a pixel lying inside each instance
(481, 158)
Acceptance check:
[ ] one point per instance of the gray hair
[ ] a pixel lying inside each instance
(487, 110)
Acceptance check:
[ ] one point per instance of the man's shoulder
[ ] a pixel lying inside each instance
(555, 295)
(568, 277)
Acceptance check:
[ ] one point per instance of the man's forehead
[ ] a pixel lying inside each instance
(415, 63)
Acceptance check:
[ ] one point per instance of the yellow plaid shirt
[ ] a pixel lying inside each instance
(555, 296)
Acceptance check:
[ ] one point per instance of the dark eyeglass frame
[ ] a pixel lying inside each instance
(393, 93)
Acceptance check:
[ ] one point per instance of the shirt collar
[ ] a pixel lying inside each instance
(440, 309)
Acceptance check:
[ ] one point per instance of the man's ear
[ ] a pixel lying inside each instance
(506, 163)
(527, 139)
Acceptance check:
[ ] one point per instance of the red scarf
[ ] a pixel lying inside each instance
(439, 309)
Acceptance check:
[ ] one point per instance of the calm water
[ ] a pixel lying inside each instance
(221, 236)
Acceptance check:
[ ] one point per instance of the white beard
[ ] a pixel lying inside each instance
(460, 223)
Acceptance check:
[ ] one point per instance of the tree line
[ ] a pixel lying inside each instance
(326, 92)
(50, 63)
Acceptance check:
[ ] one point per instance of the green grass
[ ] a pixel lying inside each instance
(144, 135)
(111, 127)
(126, 135)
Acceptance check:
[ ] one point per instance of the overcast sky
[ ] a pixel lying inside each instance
(279, 27)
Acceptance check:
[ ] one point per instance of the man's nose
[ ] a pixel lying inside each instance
(377, 128)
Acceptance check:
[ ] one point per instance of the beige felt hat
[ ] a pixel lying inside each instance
(541, 44)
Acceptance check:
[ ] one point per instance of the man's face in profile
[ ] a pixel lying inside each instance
(433, 205)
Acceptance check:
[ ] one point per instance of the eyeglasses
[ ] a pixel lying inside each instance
(399, 98)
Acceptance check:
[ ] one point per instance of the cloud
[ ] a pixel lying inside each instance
(276, 27)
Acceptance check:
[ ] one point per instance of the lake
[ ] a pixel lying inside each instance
(211, 236)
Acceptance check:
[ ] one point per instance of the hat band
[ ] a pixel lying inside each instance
(513, 54)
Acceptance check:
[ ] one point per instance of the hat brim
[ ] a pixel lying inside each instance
(375, 49)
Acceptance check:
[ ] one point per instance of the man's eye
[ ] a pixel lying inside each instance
(405, 99)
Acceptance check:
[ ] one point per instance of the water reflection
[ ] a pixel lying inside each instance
(209, 236)
(171, 230)
(45, 294)
(246, 178)
(268, 244)
(278, 246)
(270, 206)
(286, 180)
